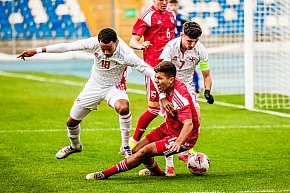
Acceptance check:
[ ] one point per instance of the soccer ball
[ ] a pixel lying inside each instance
(198, 163)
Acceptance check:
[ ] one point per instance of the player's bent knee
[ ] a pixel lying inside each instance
(142, 153)
(122, 107)
(72, 122)
(123, 110)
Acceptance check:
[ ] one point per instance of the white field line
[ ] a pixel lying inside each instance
(136, 91)
(150, 129)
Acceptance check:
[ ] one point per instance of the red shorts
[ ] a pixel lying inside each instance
(163, 138)
(151, 92)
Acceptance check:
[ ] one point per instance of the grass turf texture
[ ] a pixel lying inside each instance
(250, 152)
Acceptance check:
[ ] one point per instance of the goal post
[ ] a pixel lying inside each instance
(249, 54)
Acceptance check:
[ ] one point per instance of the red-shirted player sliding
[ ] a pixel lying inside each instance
(156, 25)
(179, 132)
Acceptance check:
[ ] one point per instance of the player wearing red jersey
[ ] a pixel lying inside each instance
(156, 25)
(179, 132)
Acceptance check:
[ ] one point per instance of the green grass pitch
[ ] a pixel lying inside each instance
(249, 151)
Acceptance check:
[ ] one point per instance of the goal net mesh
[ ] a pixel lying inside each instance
(223, 22)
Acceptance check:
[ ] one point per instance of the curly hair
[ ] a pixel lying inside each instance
(107, 35)
(172, 1)
(168, 68)
(192, 29)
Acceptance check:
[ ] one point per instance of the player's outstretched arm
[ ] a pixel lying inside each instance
(207, 86)
(185, 132)
(135, 43)
(28, 53)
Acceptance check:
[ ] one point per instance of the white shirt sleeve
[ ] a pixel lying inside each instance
(139, 64)
(85, 44)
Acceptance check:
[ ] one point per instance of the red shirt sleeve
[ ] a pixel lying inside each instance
(139, 28)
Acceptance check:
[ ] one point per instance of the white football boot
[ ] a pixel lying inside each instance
(126, 151)
(96, 176)
(66, 151)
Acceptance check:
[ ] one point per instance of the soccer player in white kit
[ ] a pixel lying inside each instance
(186, 52)
(112, 57)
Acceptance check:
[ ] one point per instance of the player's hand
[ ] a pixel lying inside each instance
(174, 147)
(27, 53)
(208, 97)
(167, 106)
(145, 45)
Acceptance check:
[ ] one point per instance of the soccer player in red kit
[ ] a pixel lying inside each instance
(179, 132)
(156, 24)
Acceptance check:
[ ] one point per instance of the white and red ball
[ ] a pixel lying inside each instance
(198, 163)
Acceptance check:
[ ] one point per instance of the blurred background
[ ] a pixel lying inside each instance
(248, 40)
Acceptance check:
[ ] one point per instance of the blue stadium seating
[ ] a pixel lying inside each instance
(56, 26)
(64, 27)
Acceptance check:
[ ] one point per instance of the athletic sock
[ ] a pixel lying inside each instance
(125, 127)
(144, 121)
(74, 135)
(155, 169)
(120, 167)
(169, 161)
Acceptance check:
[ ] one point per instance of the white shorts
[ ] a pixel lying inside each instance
(92, 95)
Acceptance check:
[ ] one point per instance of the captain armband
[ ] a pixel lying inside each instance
(204, 66)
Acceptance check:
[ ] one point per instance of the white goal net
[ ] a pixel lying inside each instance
(223, 23)
(272, 54)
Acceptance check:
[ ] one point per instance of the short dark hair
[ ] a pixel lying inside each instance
(168, 68)
(107, 35)
(192, 29)
(172, 1)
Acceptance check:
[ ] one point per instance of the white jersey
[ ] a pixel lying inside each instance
(186, 62)
(106, 71)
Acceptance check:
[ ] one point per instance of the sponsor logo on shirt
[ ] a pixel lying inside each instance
(159, 22)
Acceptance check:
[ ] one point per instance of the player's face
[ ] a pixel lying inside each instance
(164, 84)
(160, 5)
(173, 7)
(108, 49)
(187, 42)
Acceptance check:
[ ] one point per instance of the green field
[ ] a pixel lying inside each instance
(249, 151)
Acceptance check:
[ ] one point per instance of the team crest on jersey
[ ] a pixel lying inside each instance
(96, 54)
(192, 59)
(172, 19)
(174, 58)
(153, 94)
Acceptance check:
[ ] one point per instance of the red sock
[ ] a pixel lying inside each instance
(144, 121)
(155, 169)
(120, 167)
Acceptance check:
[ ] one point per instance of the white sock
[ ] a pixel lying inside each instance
(74, 135)
(125, 127)
(169, 161)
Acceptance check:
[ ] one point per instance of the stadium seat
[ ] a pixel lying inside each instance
(64, 19)
(43, 19)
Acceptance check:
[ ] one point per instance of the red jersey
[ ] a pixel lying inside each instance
(183, 109)
(156, 27)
